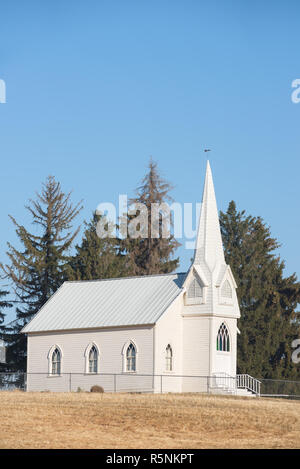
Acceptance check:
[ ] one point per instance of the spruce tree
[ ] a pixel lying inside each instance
(96, 257)
(38, 269)
(146, 254)
(268, 300)
(4, 303)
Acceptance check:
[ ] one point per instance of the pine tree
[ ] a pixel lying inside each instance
(268, 300)
(146, 254)
(96, 257)
(39, 269)
(3, 305)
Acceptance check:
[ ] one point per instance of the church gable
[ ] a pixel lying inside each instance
(196, 286)
(226, 286)
(194, 293)
(226, 290)
(226, 293)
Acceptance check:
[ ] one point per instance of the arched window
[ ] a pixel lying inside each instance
(56, 362)
(223, 342)
(226, 290)
(93, 360)
(169, 358)
(194, 289)
(131, 358)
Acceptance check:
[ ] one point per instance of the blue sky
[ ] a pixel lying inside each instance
(96, 87)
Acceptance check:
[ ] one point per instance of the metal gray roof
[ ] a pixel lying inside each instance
(107, 303)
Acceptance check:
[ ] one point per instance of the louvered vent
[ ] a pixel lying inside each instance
(195, 289)
(226, 291)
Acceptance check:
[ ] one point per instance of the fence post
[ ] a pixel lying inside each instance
(115, 383)
(70, 382)
(161, 384)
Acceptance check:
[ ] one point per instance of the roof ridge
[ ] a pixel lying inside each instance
(125, 278)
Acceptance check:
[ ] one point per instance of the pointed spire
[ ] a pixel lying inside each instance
(209, 247)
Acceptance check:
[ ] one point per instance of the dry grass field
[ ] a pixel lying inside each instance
(180, 421)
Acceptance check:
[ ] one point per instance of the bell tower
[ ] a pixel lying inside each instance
(211, 309)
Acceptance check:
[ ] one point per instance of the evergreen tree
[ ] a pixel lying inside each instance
(146, 254)
(267, 299)
(3, 305)
(38, 269)
(96, 257)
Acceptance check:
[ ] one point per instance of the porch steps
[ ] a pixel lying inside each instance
(232, 392)
(241, 385)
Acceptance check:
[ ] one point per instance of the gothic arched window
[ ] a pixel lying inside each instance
(223, 341)
(169, 358)
(131, 358)
(93, 360)
(56, 362)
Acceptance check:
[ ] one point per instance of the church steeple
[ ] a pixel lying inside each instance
(209, 295)
(209, 247)
(209, 267)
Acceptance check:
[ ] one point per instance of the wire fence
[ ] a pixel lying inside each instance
(12, 381)
(144, 383)
(110, 382)
(280, 388)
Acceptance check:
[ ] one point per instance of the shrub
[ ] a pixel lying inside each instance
(97, 388)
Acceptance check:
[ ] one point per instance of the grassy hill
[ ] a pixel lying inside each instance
(89, 420)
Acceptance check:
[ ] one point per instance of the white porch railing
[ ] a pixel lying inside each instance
(223, 380)
(232, 383)
(249, 383)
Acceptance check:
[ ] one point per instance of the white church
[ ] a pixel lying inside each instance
(158, 333)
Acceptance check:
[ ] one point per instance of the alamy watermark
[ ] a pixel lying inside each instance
(296, 353)
(2, 92)
(155, 221)
(295, 96)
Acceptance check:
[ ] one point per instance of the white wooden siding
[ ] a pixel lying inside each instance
(168, 330)
(110, 343)
(224, 362)
(195, 352)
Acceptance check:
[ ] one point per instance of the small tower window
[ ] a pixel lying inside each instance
(195, 289)
(131, 358)
(226, 291)
(223, 342)
(93, 360)
(56, 362)
(169, 358)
